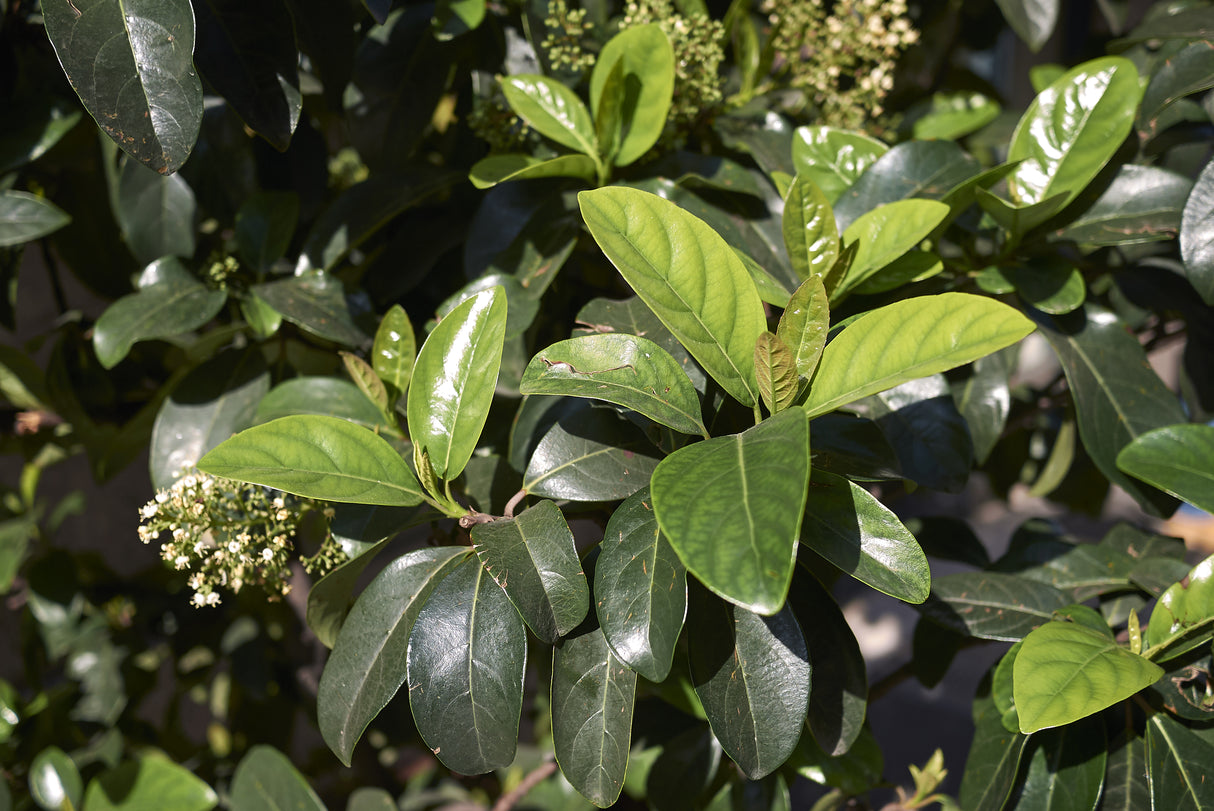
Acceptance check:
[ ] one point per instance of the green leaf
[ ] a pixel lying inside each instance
(771, 290)
(955, 115)
(152, 782)
(38, 123)
(1187, 72)
(640, 588)
(592, 701)
(455, 17)
(854, 447)
(847, 526)
(984, 399)
(688, 276)
(453, 381)
(25, 217)
(215, 400)
(855, 772)
(315, 301)
(494, 169)
(368, 662)
(833, 158)
(324, 396)
(317, 457)
(993, 762)
(627, 370)
(1118, 397)
(1177, 764)
(727, 507)
(991, 605)
(648, 78)
(156, 213)
(1196, 242)
(467, 657)
(632, 317)
(176, 304)
(926, 431)
(1072, 129)
(1183, 618)
(368, 382)
(1065, 672)
(1051, 284)
(804, 325)
(683, 770)
(54, 780)
(552, 110)
(911, 338)
(265, 224)
(394, 351)
(131, 63)
(329, 597)
(1065, 770)
(752, 675)
(266, 779)
(776, 372)
(1040, 553)
(1178, 459)
(1032, 20)
(1142, 204)
(533, 559)
(887, 233)
(1019, 218)
(1126, 785)
(810, 233)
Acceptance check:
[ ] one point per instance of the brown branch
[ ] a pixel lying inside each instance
(534, 778)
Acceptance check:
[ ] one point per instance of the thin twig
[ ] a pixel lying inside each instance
(533, 779)
(514, 502)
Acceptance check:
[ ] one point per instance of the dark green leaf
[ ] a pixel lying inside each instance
(153, 782)
(38, 124)
(727, 507)
(1118, 397)
(265, 224)
(752, 675)
(640, 588)
(1065, 769)
(648, 76)
(215, 400)
(467, 656)
(132, 66)
(1142, 204)
(810, 233)
(54, 780)
(25, 217)
(856, 771)
(833, 158)
(455, 17)
(317, 457)
(488, 172)
(991, 605)
(683, 770)
(1086, 569)
(852, 446)
(1178, 764)
(693, 170)
(1196, 243)
(1052, 285)
(1126, 785)
(266, 779)
(1032, 20)
(847, 526)
(1174, 23)
(329, 597)
(993, 762)
(1187, 72)
(1178, 459)
(1019, 218)
(368, 662)
(324, 396)
(156, 213)
(316, 302)
(552, 110)
(984, 399)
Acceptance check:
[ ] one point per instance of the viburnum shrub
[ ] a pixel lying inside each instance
(546, 367)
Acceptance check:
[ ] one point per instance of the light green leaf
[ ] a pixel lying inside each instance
(488, 172)
(623, 369)
(727, 506)
(152, 782)
(1065, 672)
(804, 325)
(368, 382)
(1183, 618)
(912, 338)
(776, 371)
(394, 351)
(368, 662)
(467, 657)
(552, 110)
(326, 396)
(833, 158)
(54, 780)
(1178, 459)
(810, 233)
(1072, 129)
(648, 79)
(454, 379)
(689, 277)
(955, 115)
(25, 217)
(886, 233)
(455, 17)
(1019, 218)
(265, 779)
(317, 457)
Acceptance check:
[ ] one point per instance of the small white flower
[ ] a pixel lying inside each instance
(199, 599)
(213, 598)
(233, 547)
(267, 554)
(181, 562)
(282, 515)
(162, 496)
(148, 511)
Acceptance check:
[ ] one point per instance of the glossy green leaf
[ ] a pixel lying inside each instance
(1072, 129)
(552, 110)
(886, 233)
(467, 656)
(955, 115)
(1141, 204)
(266, 779)
(453, 382)
(1178, 765)
(1032, 20)
(649, 73)
(593, 694)
(1187, 72)
(316, 302)
(1065, 769)
(926, 431)
(992, 605)
(911, 267)
(804, 325)
(1047, 557)
(533, 559)
(1196, 242)
(54, 780)
(247, 53)
(776, 372)
(179, 303)
(911, 338)
(984, 399)
(394, 351)
(683, 770)
(329, 598)
(810, 233)
(1065, 672)
(455, 17)
(152, 782)
(633, 317)
(156, 213)
(993, 761)
(25, 217)
(1118, 397)
(1019, 218)
(368, 662)
(590, 455)
(324, 396)
(833, 158)
(215, 400)
(131, 63)
(265, 224)
(1178, 459)
(627, 370)
(494, 169)
(687, 275)
(640, 588)
(854, 447)
(752, 675)
(521, 306)
(727, 507)
(847, 526)
(1183, 618)
(1050, 284)
(317, 457)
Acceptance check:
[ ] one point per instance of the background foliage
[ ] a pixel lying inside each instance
(518, 385)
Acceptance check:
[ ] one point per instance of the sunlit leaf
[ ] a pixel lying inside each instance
(1178, 459)
(25, 217)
